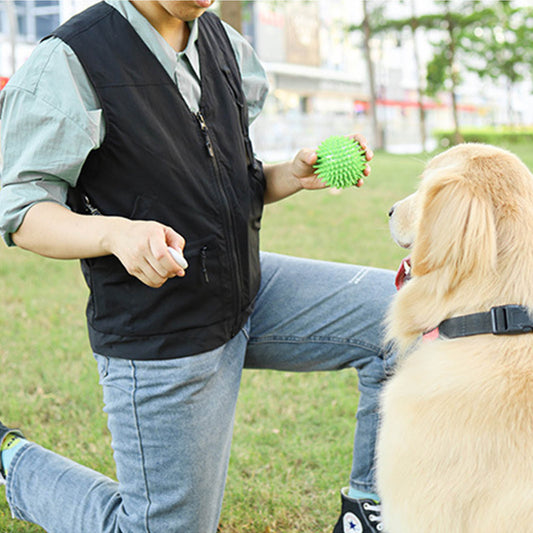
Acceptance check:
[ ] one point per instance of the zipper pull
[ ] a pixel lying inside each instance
(201, 120)
(90, 206)
(203, 262)
(205, 131)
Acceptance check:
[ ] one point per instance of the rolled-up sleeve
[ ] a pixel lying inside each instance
(49, 124)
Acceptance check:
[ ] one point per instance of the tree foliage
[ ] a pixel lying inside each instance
(502, 48)
(492, 39)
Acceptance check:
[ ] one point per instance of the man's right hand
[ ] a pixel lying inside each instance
(52, 230)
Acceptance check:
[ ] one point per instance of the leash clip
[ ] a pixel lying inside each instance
(510, 320)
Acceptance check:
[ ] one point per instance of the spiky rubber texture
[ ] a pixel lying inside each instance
(341, 162)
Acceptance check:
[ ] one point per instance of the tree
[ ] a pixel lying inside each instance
(382, 25)
(420, 88)
(367, 34)
(455, 21)
(443, 72)
(502, 50)
(443, 67)
(372, 16)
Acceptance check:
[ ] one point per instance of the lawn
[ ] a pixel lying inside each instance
(293, 433)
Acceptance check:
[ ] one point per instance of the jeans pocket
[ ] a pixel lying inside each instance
(102, 362)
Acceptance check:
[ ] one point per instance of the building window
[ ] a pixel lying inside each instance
(35, 18)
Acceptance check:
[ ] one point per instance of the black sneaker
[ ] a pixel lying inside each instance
(4, 432)
(358, 516)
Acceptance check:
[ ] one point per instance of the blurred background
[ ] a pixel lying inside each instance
(412, 75)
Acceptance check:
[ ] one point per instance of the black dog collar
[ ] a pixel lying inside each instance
(501, 320)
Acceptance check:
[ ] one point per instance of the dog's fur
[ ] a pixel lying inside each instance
(455, 449)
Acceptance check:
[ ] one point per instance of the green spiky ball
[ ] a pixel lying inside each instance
(341, 162)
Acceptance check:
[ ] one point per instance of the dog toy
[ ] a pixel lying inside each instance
(341, 161)
(178, 257)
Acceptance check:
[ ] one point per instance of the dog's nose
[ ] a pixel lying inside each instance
(391, 211)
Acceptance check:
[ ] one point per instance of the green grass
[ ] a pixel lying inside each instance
(293, 432)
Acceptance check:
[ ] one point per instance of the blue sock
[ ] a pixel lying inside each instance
(360, 495)
(10, 447)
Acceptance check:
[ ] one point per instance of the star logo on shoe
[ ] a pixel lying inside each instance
(352, 524)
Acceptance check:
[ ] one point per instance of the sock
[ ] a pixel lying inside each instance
(360, 495)
(9, 448)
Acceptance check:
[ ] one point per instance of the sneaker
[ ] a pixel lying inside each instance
(358, 516)
(4, 432)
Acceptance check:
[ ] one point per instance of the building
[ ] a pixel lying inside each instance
(320, 82)
(317, 72)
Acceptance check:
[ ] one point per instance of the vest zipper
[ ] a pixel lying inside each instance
(236, 274)
(203, 262)
(207, 137)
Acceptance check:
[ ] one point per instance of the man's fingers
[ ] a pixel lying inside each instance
(143, 271)
(162, 259)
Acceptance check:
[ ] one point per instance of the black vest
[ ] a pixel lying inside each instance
(159, 161)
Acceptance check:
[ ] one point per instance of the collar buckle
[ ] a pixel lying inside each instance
(510, 320)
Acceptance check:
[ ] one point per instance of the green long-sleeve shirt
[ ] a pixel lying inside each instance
(51, 118)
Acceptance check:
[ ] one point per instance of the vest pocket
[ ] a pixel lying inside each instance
(123, 305)
(257, 193)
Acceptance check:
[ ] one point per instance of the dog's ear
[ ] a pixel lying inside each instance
(456, 234)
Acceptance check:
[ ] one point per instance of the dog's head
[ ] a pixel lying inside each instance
(469, 227)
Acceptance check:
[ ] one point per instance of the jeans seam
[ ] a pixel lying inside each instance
(11, 486)
(141, 451)
(272, 339)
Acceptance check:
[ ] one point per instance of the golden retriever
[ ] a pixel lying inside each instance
(455, 448)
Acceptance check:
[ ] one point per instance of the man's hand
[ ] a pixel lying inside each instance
(142, 247)
(303, 165)
(284, 179)
(52, 230)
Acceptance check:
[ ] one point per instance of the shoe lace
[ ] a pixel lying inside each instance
(374, 518)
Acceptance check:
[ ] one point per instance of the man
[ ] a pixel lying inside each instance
(126, 134)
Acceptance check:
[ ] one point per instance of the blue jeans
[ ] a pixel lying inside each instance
(171, 421)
